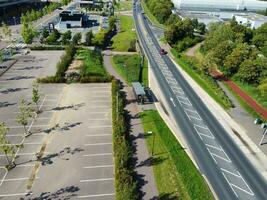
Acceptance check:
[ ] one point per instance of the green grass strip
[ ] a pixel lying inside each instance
(176, 176)
(223, 100)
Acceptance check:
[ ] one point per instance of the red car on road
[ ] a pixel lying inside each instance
(163, 52)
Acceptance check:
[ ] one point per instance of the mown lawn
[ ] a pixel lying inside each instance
(127, 66)
(93, 63)
(122, 41)
(124, 6)
(175, 174)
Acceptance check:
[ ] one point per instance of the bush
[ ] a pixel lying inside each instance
(47, 48)
(125, 184)
(187, 43)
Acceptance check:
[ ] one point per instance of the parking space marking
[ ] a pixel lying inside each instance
(96, 180)
(96, 144)
(97, 135)
(18, 179)
(98, 154)
(96, 195)
(98, 166)
(104, 126)
(12, 195)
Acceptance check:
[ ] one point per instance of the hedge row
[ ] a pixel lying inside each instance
(125, 184)
(47, 47)
(62, 67)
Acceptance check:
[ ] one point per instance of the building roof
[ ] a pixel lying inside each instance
(70, 16)
(252, 16)
(139, 90)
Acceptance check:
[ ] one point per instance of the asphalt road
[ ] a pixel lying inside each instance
(228, 171)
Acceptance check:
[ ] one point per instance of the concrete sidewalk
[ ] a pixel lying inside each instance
(145, 176)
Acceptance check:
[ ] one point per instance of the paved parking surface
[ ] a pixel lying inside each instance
(78, 160)
(15, 84)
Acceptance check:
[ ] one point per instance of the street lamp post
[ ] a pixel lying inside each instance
(153, 141)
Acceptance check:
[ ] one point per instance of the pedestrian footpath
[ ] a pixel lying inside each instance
(250, 101)
(145, 176)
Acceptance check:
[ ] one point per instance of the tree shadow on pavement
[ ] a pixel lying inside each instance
(68, 192)
(30, 68)
(165, 196)
(151, 161)
(11, 90)
(20, 78)
(6, 104)
(70, 107)
(48, 159)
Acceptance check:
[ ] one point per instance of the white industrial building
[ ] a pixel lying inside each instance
(250, 20)
(213, 5)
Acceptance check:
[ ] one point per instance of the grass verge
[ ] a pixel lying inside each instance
(243, 103)
(204, 81)
(253, 92)
(151, 17)
(125, 184)
(175, 174)
(122, 41)
(128, 67)
(124, 6)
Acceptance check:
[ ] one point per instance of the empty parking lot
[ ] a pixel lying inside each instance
(73, 134)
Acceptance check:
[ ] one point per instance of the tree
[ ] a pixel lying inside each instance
(36, 95)
(24, 115)
(45, 33)
(89, 38)
(5, 30)
(100, 38)
(77, 38)
(263, 88)
(6, 147)
(1, 56)
(53, 37)
(233, 61)
(28, 33)
(66, 37)
(112, 23)
(250, 71)
(201, 28)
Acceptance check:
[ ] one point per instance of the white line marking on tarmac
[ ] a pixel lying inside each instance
(98, 154)
(18, 179)
(98, 166)
(96, 144)
(98, 135)
(96, 180)
(230, 184)
(12, 195)
(96, 195)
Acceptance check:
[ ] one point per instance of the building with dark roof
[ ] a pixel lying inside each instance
(71, 19)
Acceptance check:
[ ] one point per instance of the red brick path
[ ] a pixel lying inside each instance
(250, 101)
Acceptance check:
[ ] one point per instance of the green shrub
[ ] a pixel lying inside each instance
(125, 184)
(47, 47)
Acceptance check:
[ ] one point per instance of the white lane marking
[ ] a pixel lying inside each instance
(98, 166)
(97, 144)
(239, 176)
(96, 135)
(96, 195)
(96, 180)
(230, 184)
(200, 133)
(97, 154)
(107, 126)
(18, 179)
(213, 154)
(12, 195)
(24, 165)
(218, 148)
(172, 101)
(230, 172)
